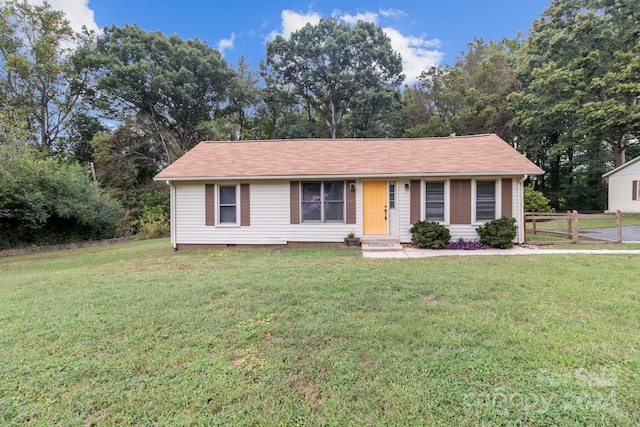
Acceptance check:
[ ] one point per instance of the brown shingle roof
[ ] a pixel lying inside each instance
(479, 154)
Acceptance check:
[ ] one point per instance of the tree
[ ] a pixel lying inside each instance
(329, 65)
(244, 96)
(126, 160)
(375, 115)
(469, 97)
(576, 109)
(37, 76)
(580, 74)
(81, 129)
(174, 85)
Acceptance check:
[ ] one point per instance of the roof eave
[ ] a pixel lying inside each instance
(348, 176)
(621, 167)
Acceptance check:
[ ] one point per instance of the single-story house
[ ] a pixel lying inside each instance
(277, 192)
(624, 191)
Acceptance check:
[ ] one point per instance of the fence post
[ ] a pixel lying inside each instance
(535, 230)
(576, 226)
(618, 226)
(569, 226)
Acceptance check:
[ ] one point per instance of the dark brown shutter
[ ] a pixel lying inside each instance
(245, 205)
(634, 196)
(507, 197)
(295, 202)
(350, 200)
(414, 195)
(460, 190)
(210, 204)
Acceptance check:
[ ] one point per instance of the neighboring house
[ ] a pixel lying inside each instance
(277, 192)
(624, 188)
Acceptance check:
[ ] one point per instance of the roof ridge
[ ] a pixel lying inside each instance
(350, 139)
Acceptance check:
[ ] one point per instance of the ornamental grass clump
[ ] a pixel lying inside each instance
(430, 235)
(467, 245)
(498, 233)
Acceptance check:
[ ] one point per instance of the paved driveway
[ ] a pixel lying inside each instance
(629, 234)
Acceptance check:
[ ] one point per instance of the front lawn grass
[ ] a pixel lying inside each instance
(137, 334)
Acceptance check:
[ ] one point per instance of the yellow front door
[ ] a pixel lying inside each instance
(374, 202)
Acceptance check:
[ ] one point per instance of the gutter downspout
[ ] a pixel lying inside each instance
(172, 213)
(521, 220)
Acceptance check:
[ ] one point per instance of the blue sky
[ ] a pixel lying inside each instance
(425, 32)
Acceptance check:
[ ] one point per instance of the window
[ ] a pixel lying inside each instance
(323, 201)
(228, 207)
(485, 201)
(392, 196)
(434, 209)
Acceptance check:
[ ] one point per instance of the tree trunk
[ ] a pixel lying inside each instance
(620, 150)
(333, 124)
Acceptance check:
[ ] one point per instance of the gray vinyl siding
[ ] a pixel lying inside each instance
(270, 216)
(621, 189)
(270, 219)
(465, 231)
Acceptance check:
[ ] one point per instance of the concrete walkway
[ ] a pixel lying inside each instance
(516, 250)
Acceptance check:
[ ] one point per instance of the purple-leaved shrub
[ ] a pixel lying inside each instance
(467, 245)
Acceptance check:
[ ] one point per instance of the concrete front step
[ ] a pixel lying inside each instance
(381, 245)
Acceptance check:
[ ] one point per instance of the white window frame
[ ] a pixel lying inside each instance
(322, 203)
(497, 182)
(447, 199)
(219, 205)
(392, 197)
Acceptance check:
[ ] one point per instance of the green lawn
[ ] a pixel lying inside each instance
(137, 334)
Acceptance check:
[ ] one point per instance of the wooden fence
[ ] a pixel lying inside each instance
(572, 232)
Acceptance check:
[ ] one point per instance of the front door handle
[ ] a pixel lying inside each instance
(385, 212)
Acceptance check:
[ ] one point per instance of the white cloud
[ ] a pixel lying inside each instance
(418, 53)
(392, 13)
(225, 44)
(353, 19)
(293, 21)
(76, 11)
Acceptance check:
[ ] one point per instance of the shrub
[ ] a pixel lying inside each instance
(153, 223)
(468, 245)
(535, 201)
(430, 235)
(46, 201)
(498, 233)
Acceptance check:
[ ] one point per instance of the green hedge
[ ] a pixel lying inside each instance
(430, 235)
(46, 201)
(498, 233)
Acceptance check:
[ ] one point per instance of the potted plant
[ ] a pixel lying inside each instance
(351, 240)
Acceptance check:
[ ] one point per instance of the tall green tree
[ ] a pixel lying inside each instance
(468, 97)
(375, 115)
(237, 120)
(580, 74)
(126, 160)
(38, 78)
(174, 85)
(576, 109)
(328, 66)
